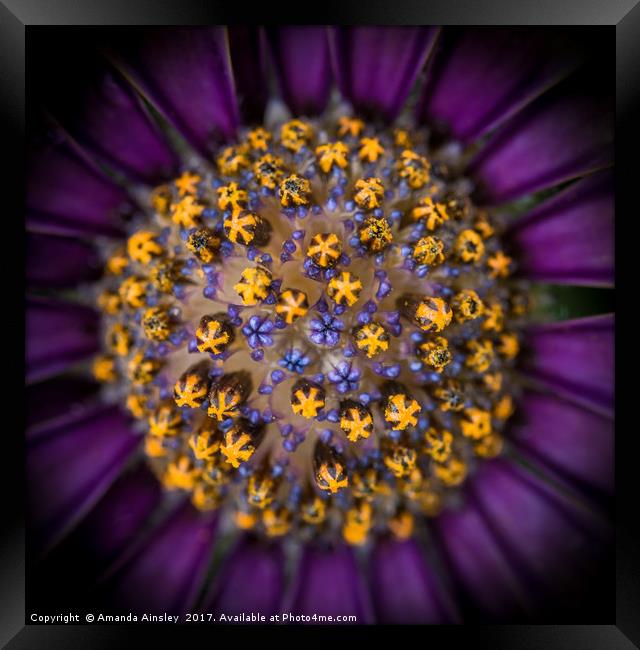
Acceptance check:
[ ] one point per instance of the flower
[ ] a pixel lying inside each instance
(458, 449)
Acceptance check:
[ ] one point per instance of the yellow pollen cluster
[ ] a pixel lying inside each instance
(186, 213)
(349, 126)
(253, 285)
(292, 304)
(295, 134)
(376, 234)
(307, 400)
(369, 193)
(294, 191)
(431, 213)
(344, 289)
(415, 169)
(371, 338)
(428, 250)
(370, 149)
(433, 314)
(325, 249)
(331, 154)
(401, 411)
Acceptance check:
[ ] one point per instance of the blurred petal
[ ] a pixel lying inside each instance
(59, 398)
(486, 581)
(546, 535)
(120, 515)
(186, 73)
(112, 123)
(67, 195)
(575, 360)
(58, 334)
(481, 77)
(376, 67)
(329, 583)
(566, 133)
(251, 580)
(576, 443)
(405, 588)
(71, 467)
(248, 58)
(54, 261)
(577, 226)
(165, 573)
(301, 59)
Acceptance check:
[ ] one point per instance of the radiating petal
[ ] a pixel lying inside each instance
(547, 536)
(70, 469)
(248, 58)
(405, 589)
(481, 77)
(564, 134)
(575, 360)
(376, 67)
(57, 399)
(303, 66)
(58, 334)
(329, 583)
(487, 583)
(569, 238)
(251, 580)
(121, 515)
(54, 261)
(111, 122)
(568, 439)
(166, 572)
(186, 73)
(67, 195)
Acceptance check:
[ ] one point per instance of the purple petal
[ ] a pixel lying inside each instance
(54, 261)
(113, 123)
(564, 134)
(165, 573)
(68, 195)
(120, 515)
(546, 535)
(405, 588)
(329, 583)
(71, 468)
(58, 334)
(248, 58)
(485, 579)
(376, 67)
(57, 399)
(481, 77)
(575, 360)
(569, 440)
(251, 580)
(186, 72)
(302, 62)
(569, 238)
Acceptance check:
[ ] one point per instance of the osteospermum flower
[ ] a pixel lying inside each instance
(313, 330)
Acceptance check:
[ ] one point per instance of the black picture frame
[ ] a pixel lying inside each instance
(17, 17)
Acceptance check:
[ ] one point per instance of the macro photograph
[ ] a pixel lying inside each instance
(319, 324)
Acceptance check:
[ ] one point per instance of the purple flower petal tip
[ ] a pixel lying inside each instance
(58, 334)
(186, 73)
(329, 583)
(376, 67)
(481, 77)
(577, 225)
(575, 360)
(71, 467)
(301, 58)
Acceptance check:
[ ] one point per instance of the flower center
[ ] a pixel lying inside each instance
(316, 332)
